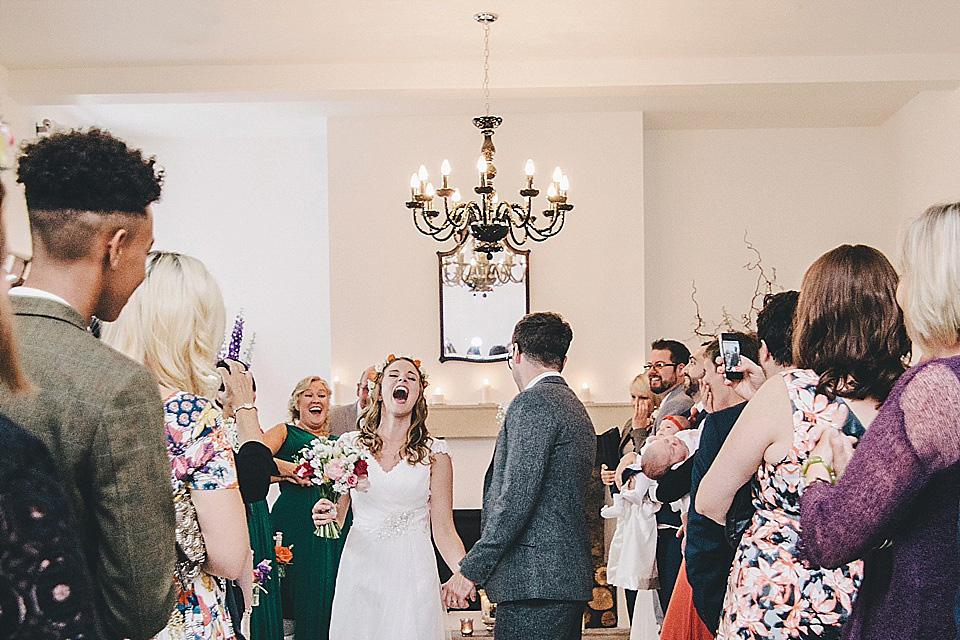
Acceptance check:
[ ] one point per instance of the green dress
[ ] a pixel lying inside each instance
(266, 621)
(312, 574)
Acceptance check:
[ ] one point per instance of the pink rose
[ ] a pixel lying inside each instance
(334, 470)
(363, 484)
(352, 480)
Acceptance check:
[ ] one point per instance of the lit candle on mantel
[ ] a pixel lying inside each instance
(584, 392)
(438, 397)
(335, 393)
(485, 391)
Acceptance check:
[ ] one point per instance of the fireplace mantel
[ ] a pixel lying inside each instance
(480, 420)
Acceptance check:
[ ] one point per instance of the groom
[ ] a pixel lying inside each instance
(533, 556)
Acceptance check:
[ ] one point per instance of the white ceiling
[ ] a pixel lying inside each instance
(685, 62)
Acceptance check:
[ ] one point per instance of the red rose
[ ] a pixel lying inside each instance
(304, 470)
(360, 467)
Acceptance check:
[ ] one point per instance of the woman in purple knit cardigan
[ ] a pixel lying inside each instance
(897, 499)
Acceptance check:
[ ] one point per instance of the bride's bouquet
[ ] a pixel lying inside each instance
(334, 466)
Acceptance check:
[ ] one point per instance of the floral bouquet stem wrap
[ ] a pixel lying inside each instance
(335, 467)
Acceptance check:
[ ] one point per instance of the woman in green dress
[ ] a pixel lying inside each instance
(313, 573)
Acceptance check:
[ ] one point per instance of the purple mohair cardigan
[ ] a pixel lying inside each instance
(903, 486)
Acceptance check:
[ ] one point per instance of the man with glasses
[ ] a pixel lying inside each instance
(665, 371)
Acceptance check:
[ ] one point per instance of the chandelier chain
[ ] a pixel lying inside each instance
(486, 66)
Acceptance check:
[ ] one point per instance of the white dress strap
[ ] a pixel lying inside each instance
(439, 445)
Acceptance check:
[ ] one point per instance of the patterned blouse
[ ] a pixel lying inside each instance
(201, 459)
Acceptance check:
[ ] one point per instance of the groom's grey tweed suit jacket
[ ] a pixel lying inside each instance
(533, 542)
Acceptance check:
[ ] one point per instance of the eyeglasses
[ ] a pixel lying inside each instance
(656, 366)
(512, 351)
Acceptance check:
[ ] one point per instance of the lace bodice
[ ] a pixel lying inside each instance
(398, 500)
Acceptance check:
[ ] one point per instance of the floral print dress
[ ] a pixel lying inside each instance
(770, 593)
(200, 459)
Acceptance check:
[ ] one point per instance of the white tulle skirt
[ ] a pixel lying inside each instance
(388, 586)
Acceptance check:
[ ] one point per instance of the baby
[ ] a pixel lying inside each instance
(661, 454)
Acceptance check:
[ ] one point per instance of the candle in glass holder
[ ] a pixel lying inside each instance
(466, 626)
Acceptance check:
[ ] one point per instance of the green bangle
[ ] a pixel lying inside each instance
(818, 460)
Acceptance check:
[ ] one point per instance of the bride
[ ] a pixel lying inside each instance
(387, 584)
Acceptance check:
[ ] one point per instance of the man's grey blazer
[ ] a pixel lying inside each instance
(101, 416)
(533, 542)
(343, 418)
(675, 403)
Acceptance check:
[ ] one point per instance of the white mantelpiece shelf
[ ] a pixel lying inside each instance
(480, 420)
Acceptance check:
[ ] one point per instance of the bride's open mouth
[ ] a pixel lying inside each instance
(400, 394)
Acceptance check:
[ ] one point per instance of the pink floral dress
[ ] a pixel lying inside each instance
(202, 459)
(770, 593)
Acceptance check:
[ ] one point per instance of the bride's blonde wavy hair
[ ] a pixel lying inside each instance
(417, 447)
(173, 324)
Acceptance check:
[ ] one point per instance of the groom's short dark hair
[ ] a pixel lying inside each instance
(544, 337)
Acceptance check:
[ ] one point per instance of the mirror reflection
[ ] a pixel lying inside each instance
(482, 296)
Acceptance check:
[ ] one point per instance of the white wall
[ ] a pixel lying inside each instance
(244, 191)
(798, 193)
(925, 136)
(384, 293)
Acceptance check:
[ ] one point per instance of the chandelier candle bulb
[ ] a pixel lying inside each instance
(482, 169)
(456, 195)
(564, 185)
(557, 175)
(414, 186)
(431, 192)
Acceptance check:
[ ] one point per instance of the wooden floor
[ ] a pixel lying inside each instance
(479, 631)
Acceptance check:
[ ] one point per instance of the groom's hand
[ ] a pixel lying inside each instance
(324, 512)
(457, 591)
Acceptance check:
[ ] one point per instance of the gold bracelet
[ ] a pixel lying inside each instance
(809, 462)
(245, 406)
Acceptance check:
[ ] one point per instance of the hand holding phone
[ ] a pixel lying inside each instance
(730, 352)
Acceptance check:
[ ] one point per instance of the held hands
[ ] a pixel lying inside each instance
(457, 591)
(753, 377)
(324, 512)
(833, 447)
(287, 474)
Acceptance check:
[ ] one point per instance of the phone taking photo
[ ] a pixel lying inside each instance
(730, 352)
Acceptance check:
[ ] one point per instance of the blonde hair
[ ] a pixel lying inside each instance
(173, 324)
(641, 387)
(931, 277)
(417, 447)
(298, 390)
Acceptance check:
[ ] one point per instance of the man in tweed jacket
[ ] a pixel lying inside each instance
(533, 556)
(100, 414)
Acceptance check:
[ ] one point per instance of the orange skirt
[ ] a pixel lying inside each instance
(681, 621)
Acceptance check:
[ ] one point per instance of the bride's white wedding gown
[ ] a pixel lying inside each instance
(387, 584)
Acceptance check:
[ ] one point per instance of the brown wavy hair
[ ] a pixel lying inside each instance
(417, 447)
(11, 374)
(848, 327)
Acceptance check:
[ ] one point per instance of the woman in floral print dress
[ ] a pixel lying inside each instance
(850, 345)
(174, 323)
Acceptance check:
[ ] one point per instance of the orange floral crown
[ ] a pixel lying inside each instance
(377, 372)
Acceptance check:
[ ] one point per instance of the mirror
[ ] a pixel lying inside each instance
(482, 296)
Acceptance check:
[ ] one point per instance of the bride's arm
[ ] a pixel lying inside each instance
(325, 512)
(441, 512)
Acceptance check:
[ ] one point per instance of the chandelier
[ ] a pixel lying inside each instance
(464, 266)
(488, 220)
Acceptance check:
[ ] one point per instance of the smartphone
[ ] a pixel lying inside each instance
(730, 351)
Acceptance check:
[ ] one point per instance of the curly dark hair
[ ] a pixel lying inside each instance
(87, 171)
(848, 327)
(775, 325)
(545, 337)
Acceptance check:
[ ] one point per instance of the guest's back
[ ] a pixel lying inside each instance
(101, 416)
